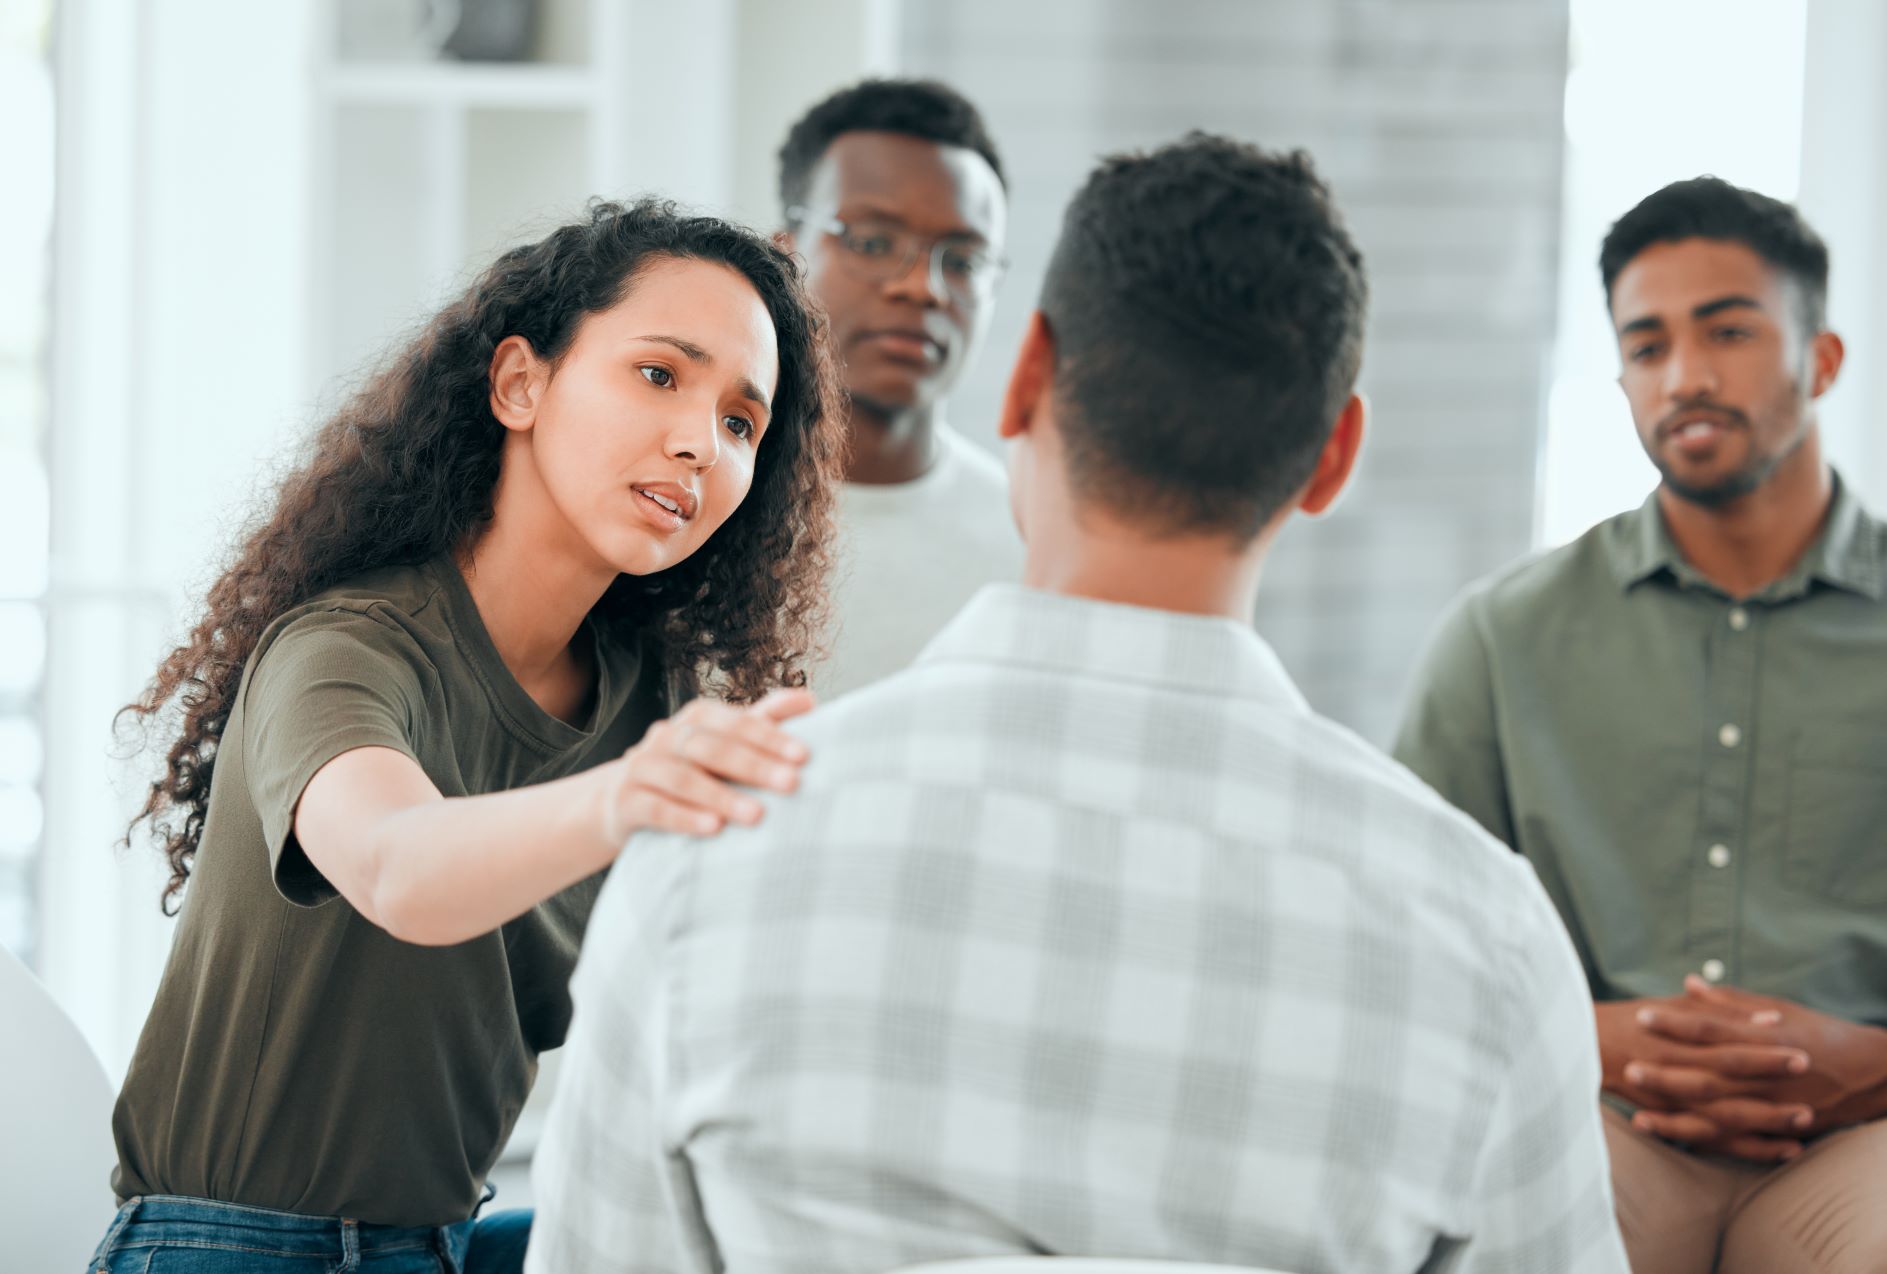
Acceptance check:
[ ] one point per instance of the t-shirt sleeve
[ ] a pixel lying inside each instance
(327, 684)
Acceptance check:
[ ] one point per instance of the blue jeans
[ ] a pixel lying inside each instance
(164, 1234)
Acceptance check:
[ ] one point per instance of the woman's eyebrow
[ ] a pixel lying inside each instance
(695, 354)
(751, 392)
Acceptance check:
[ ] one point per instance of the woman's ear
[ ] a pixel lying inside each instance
(518, 377)
(1029, 381)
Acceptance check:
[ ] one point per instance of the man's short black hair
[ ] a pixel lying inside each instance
(1207, 307)
(1711, 208)
(917, 108)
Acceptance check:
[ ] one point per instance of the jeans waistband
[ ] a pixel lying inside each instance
(175, 1219)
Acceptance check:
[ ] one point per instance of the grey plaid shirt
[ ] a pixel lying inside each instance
(1083, 936)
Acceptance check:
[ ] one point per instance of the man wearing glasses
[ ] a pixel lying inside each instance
(894, 198)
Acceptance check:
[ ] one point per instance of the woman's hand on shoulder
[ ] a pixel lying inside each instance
(686, 773)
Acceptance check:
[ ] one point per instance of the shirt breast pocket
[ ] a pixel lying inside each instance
(1836, 843)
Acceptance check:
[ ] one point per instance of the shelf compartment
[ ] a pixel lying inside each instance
(466, 85)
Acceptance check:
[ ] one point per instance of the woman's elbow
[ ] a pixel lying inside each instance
(404, 912)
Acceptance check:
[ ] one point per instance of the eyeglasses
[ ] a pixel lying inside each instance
(883, 251)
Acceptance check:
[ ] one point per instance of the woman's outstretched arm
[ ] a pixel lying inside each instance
(436, 871)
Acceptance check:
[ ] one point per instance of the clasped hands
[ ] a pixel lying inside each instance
(1726, 1071)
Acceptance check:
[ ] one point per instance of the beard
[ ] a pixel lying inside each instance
(1731, 486)
(1757, 467)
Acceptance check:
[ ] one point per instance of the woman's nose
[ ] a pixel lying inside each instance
(696, 441)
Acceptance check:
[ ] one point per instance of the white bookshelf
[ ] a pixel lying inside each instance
(462, 86)
(423, 170)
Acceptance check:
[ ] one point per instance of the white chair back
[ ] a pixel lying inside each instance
(56, 1152)
(1075, 1265)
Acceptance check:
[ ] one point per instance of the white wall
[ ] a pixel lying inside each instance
(1844, 196)
(1438, 125)
(679, 103)
(788, 57)
(177, 333)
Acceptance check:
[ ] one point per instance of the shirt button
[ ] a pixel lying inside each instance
(1713, 970)
(1719, 855)
(1739, 619)
(1729, 736)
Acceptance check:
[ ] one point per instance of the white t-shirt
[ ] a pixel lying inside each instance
(910, 554)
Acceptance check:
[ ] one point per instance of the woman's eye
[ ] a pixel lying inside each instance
(660, 377)
(740, 426)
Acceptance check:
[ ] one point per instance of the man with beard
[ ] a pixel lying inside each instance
(894, 198)
(1681, 720)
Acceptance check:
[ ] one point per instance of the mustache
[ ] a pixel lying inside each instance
(1729, 417)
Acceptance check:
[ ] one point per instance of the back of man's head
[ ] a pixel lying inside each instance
(1207, 309)
(925, 109)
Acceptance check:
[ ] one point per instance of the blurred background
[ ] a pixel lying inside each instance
(217, 211)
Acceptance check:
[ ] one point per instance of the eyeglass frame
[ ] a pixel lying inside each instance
(978, 284)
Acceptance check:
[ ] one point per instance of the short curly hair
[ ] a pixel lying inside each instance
(927, 109)
(1712, 208)
(1207, 309)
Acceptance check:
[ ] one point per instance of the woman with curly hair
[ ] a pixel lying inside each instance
(426, 707)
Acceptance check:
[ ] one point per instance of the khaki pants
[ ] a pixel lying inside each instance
(1824, 1213)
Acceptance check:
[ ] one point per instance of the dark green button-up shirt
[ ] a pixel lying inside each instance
(1700, 782)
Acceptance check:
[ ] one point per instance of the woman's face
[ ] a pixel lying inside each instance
(644, 436)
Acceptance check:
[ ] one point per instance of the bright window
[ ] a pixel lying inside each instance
(1658, 90)
(25, 242)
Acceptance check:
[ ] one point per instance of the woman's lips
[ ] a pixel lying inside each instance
(656, 513)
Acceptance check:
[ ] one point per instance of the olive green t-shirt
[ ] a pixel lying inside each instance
(1700, 780)
(298, 1057)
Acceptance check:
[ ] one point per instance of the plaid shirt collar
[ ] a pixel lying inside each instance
(1022, 627)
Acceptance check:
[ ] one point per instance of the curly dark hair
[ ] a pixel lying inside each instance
(1207, 307)
(407, 469)
(1712, 208)
(926, 109)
